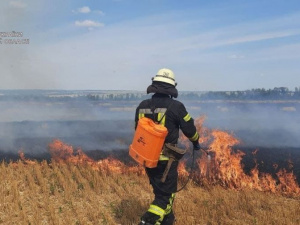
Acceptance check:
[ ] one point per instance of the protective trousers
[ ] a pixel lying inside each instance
(160, 210)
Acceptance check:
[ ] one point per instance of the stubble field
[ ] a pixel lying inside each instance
(60, 192)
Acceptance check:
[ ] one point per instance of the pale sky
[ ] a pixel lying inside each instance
(121, 44)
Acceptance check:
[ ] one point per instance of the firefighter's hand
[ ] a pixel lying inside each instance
(196, 146)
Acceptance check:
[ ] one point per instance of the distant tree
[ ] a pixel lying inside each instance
(281, 89)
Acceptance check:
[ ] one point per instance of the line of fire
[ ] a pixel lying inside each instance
(225, 167)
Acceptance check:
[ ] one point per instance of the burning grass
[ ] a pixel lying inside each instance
(75, 189)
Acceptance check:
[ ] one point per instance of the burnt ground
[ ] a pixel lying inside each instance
(271, 160)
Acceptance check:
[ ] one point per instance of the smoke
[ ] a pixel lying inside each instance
(33, 137)
(32, 125)
(30, 120)
(257, 124)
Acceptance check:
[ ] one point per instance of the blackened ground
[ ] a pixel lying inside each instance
(271, 160)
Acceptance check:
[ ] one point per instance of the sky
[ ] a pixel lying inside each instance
(212, 45)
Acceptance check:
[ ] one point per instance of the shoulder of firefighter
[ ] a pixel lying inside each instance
(176, 118)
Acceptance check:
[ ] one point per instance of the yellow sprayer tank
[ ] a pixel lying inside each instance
(147, 142)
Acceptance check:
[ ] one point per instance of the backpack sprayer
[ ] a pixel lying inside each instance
(147, 142)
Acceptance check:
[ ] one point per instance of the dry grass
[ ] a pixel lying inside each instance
(66, 193)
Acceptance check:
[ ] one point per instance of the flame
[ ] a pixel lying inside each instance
(61, 152)
(182, 169)
(225, 167)
(219, 165)
(24, 160)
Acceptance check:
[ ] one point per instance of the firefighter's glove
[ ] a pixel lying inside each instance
(196, 145)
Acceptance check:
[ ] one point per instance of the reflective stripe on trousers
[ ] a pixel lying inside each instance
(154, 209)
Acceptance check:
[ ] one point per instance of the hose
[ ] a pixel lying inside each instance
(183, 186)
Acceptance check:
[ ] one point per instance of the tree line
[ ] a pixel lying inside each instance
(277, 93)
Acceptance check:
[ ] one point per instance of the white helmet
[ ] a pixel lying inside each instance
(166, 76)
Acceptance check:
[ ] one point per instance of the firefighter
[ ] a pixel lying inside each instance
(162, 108)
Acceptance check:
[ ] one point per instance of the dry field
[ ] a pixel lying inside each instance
(73, 189)
(70, 193)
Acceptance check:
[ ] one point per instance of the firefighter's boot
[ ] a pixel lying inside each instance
(149, 219)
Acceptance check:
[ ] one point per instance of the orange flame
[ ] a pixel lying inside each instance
(223, 168)
(24, 160)
(61, 152)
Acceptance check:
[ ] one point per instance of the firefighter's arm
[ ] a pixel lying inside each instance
(188, 127)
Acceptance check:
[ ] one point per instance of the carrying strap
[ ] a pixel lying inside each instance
(173, 153)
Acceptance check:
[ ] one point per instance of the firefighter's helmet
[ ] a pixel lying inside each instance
(166, 76)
